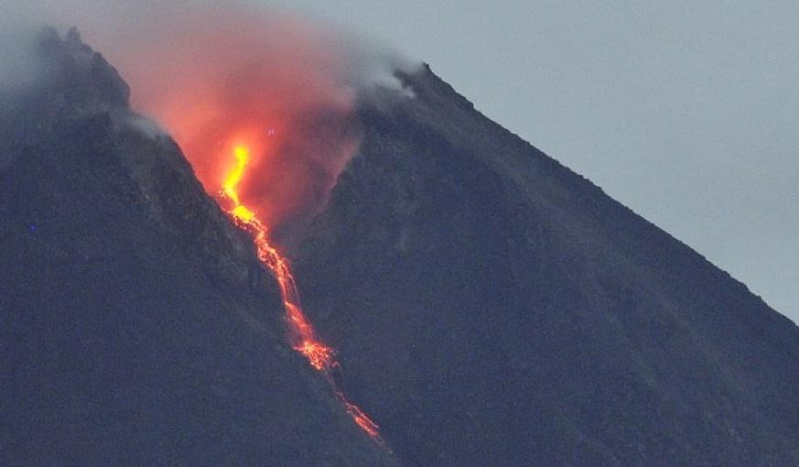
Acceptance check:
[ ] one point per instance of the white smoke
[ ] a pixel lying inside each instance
(117, 28)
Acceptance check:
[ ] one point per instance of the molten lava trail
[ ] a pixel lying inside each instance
(303, 337)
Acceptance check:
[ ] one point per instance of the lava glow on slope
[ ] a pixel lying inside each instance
(262, 103)
(302, 335)
(278, 82)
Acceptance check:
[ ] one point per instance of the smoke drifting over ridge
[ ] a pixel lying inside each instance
(273, 84)
(220, 77)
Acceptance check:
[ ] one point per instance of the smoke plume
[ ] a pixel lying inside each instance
(217, 77)
(274, 84)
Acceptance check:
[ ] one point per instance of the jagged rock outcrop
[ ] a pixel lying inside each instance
(137, 325)
(493, 308)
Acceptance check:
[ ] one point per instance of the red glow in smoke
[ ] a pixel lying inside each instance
(272, 92)
(273, 82)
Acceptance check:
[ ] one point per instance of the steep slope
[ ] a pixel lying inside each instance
(493, 308)
(136, 324)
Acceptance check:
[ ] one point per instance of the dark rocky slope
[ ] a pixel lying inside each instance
(136, 326)
(493, 308)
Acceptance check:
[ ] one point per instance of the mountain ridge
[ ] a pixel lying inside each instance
(489, 305)
(499, 263)
(138, 325)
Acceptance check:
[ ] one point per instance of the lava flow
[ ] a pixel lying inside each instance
(302, 334)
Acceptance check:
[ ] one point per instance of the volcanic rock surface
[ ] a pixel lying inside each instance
(491, 307)
(136, 324)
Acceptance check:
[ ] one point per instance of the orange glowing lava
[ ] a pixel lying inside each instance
(302, 335)
(278, 84)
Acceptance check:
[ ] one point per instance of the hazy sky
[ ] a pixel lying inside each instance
(685, 111)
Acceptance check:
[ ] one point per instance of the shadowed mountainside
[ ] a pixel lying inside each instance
(493, 308)
(136, 324)
(490, 306)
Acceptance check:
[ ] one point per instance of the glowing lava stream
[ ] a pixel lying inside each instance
(303, 337)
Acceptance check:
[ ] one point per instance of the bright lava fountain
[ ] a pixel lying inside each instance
(303, 337)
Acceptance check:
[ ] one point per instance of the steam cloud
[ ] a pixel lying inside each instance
(221, 76)
(272, 83)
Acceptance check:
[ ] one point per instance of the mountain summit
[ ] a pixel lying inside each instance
(489, 306)
(492, 307)
(137, 325)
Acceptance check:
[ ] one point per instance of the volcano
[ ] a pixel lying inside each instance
(138, 326)
(491, 307)
(488, 305)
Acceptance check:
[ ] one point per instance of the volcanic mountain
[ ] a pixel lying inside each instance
(138, 326)
(489, 306)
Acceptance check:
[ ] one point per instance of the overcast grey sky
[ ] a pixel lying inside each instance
(685, 111)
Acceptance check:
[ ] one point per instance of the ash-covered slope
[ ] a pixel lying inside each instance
(493, 308)
(136, 325)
